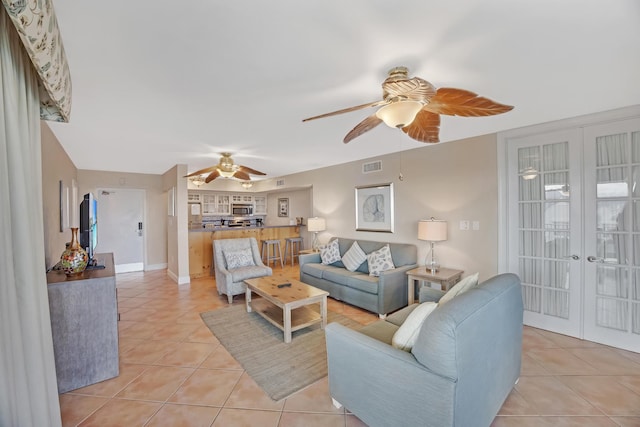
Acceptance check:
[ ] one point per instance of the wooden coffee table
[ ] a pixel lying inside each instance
(286, 307)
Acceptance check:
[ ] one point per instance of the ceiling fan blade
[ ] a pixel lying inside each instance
(213, 175)
(249, 170)
(464, 103)
(202, 171)
(347, 110)
(425, 127)
(362, 127)
(241, 175)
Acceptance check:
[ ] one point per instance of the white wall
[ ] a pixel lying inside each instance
(177, 232)
(451, 181)
(154, 207)
(56, 166)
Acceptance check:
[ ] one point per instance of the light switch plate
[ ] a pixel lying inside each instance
(464, 225)
(475, 225)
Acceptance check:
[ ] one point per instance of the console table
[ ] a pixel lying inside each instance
(84, 325)
(446, 277)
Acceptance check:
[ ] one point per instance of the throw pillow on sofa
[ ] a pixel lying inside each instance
(407, 333)
(330, 252)
(237, 259)
(459, 288)
(354, 257)
(380, 261)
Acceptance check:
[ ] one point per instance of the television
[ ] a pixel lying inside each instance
(89, 226)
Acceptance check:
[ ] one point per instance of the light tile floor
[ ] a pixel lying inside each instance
(173, 372)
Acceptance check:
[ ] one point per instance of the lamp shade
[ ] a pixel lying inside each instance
(399, 114)
(432, 230)
(316, 224)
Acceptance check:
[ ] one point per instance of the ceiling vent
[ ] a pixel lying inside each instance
(280, 183)
(372, 166)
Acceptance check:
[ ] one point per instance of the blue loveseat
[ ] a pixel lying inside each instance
(462, 367)
(383, 294)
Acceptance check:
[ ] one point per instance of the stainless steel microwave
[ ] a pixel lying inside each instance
(241, 209)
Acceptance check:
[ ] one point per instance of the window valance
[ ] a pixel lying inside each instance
(37, 27)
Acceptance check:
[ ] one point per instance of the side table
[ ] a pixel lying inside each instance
(446, 277)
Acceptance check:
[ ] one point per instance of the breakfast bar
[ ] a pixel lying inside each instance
(201, 242)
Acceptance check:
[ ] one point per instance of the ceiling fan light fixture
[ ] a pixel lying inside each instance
(226, 174)
(400, 113)
(246, 184)
(198, 180)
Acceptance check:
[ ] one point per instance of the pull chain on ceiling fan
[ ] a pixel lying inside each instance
(414, 105)
(226, 169)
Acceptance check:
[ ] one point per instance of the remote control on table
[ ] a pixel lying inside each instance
(282, 285)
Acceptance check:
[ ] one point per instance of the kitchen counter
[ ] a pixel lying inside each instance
(225, 228)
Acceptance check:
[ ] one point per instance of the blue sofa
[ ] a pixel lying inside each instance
(459, 372)
(382, 295)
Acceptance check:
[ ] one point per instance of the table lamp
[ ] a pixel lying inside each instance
(315, 225)
(432, 230)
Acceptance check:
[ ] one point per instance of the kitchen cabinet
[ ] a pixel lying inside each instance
(223, 207)
(215, 204)
(260, 203)
(242, 198)
(199, 257)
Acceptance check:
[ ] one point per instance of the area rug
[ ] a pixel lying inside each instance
(280, 369)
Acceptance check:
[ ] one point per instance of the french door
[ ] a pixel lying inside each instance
(545, 237)
(612, 222)
(573, 233)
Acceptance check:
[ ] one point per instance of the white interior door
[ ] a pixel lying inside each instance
(121, 227)
(544, 232)
(612, 234)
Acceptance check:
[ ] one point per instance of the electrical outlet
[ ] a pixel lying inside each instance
(475, 225)
(464, 225)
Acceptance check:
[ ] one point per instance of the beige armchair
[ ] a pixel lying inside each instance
(236, 260)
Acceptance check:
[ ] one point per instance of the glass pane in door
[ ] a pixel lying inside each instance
(544, 238)
(613, 223)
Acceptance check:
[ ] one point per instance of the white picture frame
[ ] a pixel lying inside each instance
(375, 208)
(171, 202)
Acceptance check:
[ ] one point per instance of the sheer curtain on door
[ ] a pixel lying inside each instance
(617, 227)
(544, 222)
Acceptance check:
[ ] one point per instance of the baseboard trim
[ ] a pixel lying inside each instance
(153, 267)
(128, 268)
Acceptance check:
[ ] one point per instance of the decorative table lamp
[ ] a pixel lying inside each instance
(315, 225)
(432, 230)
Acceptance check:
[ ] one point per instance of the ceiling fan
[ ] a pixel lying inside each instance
(414, 105)
(226, 169)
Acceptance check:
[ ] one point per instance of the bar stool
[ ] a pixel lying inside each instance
(292, 246)
(271, 251)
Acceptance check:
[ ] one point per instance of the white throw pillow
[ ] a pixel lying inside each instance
(407, 334)
(459, 288)
(354, 257)
(330, 252)
(380, 261)
(237, 259)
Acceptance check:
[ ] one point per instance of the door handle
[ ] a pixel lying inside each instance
(592, 258)
(573, 257)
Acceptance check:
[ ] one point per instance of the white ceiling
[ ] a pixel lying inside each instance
(159, 83)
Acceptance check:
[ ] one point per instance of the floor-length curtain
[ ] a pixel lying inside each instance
(28, 389)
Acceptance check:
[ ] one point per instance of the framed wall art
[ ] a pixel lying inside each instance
(374, 208)
(283, 207)
(171, 202)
